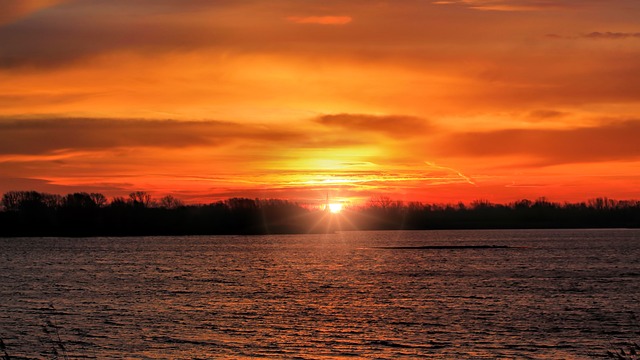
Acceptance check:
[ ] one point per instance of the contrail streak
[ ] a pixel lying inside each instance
(463, 176)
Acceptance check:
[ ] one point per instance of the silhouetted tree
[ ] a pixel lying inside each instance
(481, 204)
(29, 200)
(11, 200)
(30, 213)
(140, 199)
(119, 202)
(383, 202)
(170, 202)
(99, 199)
(79, 201)
(522, 204)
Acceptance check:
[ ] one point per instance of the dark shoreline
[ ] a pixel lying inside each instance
(33, 214)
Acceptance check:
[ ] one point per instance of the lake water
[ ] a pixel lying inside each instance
(553, 294)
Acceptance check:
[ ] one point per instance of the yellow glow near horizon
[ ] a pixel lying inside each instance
(335, 208)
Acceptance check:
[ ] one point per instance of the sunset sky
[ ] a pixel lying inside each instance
(432, 101)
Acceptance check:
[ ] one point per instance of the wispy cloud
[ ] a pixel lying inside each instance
(394, 125)
(611, 141)
(546, 114)
(51, 136)
(597, 35)
(536, 5)
(611, 35)
(320, 20)
(14, 10)
(506, 5)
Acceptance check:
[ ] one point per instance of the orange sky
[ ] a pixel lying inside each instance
(433, 101)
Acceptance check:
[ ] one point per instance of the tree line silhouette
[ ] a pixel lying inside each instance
(386, 214)
(31, 213)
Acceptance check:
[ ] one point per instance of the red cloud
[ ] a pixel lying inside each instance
(607, 142)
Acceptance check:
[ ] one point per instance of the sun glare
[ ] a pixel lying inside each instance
(335, 208)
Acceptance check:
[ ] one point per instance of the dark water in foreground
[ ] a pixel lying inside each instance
(553, 294)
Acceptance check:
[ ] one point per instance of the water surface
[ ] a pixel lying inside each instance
(531, 294)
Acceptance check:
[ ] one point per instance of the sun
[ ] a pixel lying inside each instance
(335, 208)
